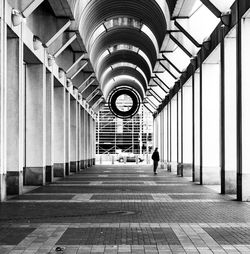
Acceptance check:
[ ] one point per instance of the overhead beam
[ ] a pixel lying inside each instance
(75, 63)
(168, 70)
(92, 94)
(31, 7)
(187, 34)
(162, 81)
(151, 103)
(155, 95)
(65, 46)
(88, 85)
(144, 104)
(212, 8)
(160, 86)
(80, 69)
(86, 80)
(171, 63)
(180, 45)
(96, 104)
(58, 33)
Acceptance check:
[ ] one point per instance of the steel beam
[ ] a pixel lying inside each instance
(88, 85)
(80, 69)
(187, 34)
(154, 95)
(65, 46)
(86, 80)
(75, 63)
(171, 63)
(33, 5)
(180, 45)
(162, 81)
(160, 87)
(172, 75)
(58, 33)
(212, 8)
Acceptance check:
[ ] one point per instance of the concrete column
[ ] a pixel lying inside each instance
(187, 129)
(85, 138)
(169, 136)
(179, 133)
(210, 120)
(197, 145)
(15, 116)
(243, 119)
(94, 141)
(73, 134)
(34, 173)
(67, 133)
(3, 83)
(174, 134)
(82, 138)
(78, 130)
(49, 129)
(88, 142)
(230, 115)
(59, 130)
(165, 137)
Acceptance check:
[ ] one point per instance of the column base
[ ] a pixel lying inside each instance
(245, 187)
(230, 182)
(73, 166)
(59, 169)
(81, 164)
(187, 169)
(3, 187)
(14, 182)
(67, 171)
(179, 169)
(49, 174)
(211, 175)
(197, 174)
(34, 175)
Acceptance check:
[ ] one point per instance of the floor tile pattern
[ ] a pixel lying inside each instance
(124, 209)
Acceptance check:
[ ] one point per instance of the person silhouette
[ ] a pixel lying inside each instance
(155, 157)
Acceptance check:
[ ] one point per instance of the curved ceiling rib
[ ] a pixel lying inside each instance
(123, 81)
(124, 56)
(123, 36)
(98, 11)
(125, 71)
(123, 39)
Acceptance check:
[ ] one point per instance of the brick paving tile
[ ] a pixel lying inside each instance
(124, 209)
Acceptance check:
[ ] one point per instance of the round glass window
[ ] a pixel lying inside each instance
(124, 102)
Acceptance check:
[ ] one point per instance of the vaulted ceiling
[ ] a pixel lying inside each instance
(123, 39)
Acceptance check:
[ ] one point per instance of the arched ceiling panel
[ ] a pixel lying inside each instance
(122, 80)
(149, 12)
(127, 57)
(126, 71)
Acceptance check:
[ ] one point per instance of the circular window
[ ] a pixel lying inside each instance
(124, 102)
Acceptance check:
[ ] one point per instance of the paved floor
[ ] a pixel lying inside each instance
(124, 209)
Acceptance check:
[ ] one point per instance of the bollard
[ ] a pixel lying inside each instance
(113, 160)
(100, 160)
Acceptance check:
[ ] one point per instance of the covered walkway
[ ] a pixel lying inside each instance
(124, 209)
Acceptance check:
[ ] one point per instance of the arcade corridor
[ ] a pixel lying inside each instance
(124, 209)
(84, 82)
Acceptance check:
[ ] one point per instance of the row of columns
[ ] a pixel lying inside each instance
(45, 130)
(206, 123)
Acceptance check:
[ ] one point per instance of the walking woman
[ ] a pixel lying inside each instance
(155, 157)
